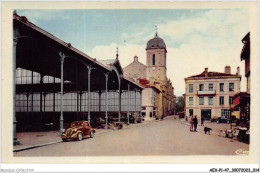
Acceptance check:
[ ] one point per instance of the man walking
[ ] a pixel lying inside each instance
(195, 123)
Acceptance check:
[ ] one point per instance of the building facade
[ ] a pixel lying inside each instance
(242, 99)
(211, 93)
(158, 99)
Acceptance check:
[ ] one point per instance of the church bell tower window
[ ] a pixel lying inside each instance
(153, 59)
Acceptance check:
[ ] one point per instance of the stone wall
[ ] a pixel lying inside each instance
(135, 70)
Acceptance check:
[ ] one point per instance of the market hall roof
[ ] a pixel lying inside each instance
(38, 51)
(113, 62)
(156, 43)
(116, 63)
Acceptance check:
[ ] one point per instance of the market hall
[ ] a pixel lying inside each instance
(55, 83)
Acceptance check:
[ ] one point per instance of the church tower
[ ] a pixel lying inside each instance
(156, 60)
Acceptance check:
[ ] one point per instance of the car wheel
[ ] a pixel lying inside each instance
(217, 122)
(79, 137)
(92, 134)
(64, 139)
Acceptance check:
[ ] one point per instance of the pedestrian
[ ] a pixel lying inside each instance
(195, 123)
(191, 123)
(202, 120)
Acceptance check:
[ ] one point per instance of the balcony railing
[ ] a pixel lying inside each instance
(206, 93)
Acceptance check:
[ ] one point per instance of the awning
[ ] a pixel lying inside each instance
(241, 99)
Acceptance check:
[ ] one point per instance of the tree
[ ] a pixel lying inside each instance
(180, 104)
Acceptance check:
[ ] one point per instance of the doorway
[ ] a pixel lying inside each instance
(190, 112)
(206, 113)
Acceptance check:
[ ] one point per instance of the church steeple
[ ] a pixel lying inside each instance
(156, 58)
(116, 52)
(156, 42)
(156, 32)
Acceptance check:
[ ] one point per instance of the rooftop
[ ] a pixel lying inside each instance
(156, 43)
(211, 74)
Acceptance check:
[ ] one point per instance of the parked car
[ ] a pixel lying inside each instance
(223, 120)
(231, 117)
(97, 121)
(78, 130)
(214, 118)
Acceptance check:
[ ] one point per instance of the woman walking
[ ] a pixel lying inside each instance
(191, 123)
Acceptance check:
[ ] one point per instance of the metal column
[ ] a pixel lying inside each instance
(89, 72)
(44, 99)
(135, 105)
(32, 95)
(80, 100)
(128, 114)
(119, 101)
(41, 83)
(27, 102)
(15, 40)
(77, 105)
(141, 104)
(106, 76)
(41, 118)
(54, 96)
(62, 58)
(99, 101)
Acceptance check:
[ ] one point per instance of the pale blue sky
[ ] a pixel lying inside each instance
(89, 28)
(209, 37)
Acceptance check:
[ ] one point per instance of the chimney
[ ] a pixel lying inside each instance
(238, 71)
(206, 72)
(227, 69)
(135, 58)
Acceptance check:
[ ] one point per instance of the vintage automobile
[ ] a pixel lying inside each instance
(223, 120)
(78, 130)
(181, 114)
(214, 118)
(97, 122)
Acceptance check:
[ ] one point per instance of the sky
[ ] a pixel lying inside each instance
(195, 38)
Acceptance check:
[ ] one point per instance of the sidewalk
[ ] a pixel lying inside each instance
(29, 140)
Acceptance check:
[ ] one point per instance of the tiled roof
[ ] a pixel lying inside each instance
(134, 62)
(146, 84)
(144, 81)
(213, 75)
